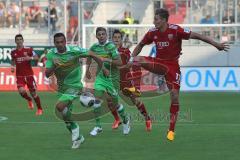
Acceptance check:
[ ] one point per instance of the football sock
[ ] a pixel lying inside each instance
(143, 111)
(122, 113)
(66, 113)
(37, 101)
(97, 118)
(25, 96)
(173, 116)
(113, 110)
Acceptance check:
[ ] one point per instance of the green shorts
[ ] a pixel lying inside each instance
(69, 94)
(112, 88)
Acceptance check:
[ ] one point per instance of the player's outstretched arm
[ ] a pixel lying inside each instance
(96, 58)
(219, 46)
(137, 49)
(115, 62)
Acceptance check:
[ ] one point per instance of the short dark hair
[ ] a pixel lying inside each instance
(100, 29)
(117, 31)
(18, 35)
(162, 13)
(58, 35)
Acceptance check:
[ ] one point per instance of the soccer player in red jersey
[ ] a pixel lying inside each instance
(22, 57)
(168, 40)
(127, 81)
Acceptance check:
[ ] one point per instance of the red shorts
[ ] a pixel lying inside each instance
(170, 70)
(26, 80)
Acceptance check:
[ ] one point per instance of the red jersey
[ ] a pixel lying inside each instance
(125, 54)
(23, 68)
(168, 43)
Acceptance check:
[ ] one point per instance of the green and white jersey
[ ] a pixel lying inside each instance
(69, 73)
(107, 50)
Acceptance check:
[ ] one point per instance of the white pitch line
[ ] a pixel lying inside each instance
(134, 123)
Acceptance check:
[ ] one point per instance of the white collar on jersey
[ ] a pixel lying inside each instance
(103, 44)
(67, 50)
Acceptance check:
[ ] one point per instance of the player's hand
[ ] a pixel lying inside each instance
(223, 46)
(88, 74)
(12, 69)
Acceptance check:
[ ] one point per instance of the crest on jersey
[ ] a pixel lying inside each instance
(170, 36)
(155, 37)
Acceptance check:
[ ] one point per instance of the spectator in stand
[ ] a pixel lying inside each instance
(53, 16)
(33, 14)
(208, 20)
(228, 18)
(2, 14)
(73, 17)
(12, 15)
(127, 33)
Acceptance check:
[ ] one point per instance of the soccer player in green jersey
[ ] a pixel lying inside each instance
(107, 79)
(63, 62)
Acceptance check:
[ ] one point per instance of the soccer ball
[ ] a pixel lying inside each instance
(87, 99)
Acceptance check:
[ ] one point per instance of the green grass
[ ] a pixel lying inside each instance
(208, 128)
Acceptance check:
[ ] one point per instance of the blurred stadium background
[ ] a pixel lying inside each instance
(209, 116)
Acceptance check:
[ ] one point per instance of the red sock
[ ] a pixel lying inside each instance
(114, 111)
(142, 109)
(173, 116)
(25, 96)
(38, 102)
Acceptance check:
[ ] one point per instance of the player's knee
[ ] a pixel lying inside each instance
(22, 92)
(60, 106)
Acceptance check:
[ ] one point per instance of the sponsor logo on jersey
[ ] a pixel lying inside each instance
(161, 45)
(155, 37)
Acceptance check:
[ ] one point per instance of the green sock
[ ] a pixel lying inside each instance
(122, 113)
(68, 125)
(97, 118)
(67, 118)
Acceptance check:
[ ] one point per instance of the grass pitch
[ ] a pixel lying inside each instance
(208, 128)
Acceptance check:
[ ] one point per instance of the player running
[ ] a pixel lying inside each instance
(63, 62)
(107, 79)
(22, 57)
(168, 40)
(127, 81)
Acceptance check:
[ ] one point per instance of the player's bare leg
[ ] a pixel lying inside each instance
(23, 93)
(38, 102)
(174, 108)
